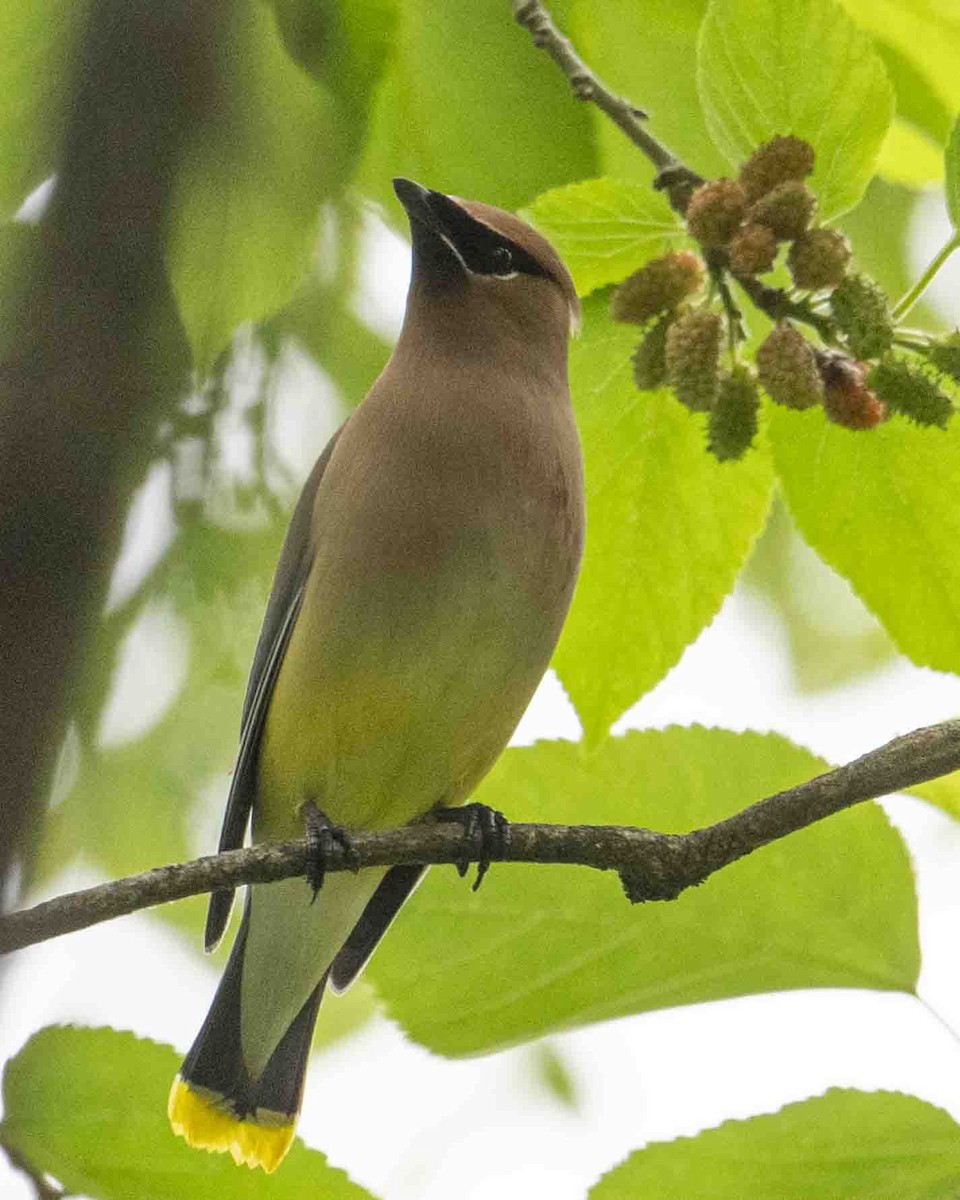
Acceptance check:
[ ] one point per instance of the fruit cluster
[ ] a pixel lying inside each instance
(740, 225)
(767, 205)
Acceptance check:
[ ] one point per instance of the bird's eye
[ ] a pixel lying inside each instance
(502, 261)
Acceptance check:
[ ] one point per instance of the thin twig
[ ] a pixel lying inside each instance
(673, 176)
(717, 265)
(43, 1185)
(779, 305)
(915, 293)
(652, 866)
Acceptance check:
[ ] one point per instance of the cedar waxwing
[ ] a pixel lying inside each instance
(423, 583)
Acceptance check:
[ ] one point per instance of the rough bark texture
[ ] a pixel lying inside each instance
(652, 866)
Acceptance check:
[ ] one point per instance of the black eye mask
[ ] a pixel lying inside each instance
(484, 251)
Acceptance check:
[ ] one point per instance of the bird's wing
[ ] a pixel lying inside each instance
(278, 622)
(392, 893)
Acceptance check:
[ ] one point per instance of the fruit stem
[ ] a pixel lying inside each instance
(910, 298)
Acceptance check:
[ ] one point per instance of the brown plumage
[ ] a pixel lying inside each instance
(422, 587)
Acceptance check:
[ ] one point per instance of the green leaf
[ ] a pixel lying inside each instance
(944, 793)
(831, 637)
(883, 509)
(879, 228)
(858, 1145)
(796, 67)
(952, 172)
(907, 156)
(470, 106)
(927, 33)
(346, 43)
(247, 197)
(551, 1071)
(668, 528)
(540, 949)
(38, 39)
(912, 151)
(605, 228)
(919, 102)
(89, 1106)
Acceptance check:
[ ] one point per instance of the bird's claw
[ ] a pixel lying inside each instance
(486, 833)
(322, 836)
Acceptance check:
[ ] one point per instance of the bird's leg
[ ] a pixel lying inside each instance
(484, 829)
(322, 835)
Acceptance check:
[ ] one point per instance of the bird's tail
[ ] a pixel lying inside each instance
(214, 1103)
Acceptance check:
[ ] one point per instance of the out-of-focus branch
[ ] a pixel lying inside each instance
(91, 356)
(652, 866)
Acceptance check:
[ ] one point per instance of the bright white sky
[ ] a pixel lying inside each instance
(414, 1127)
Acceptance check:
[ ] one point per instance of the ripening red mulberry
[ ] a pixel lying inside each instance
(847, 398)
(658, 286)
(715, 211)
(753, 250)
(787, 210)
(787, 367)
(774, 163)
(819, 259)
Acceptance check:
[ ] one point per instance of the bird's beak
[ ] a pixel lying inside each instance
(433, 210)
(413, 196)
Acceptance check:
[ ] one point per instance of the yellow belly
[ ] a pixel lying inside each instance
(407, 718)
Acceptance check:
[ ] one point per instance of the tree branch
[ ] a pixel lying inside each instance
(43, 1186)
(673, 176)
(779, 305)
(652, 866)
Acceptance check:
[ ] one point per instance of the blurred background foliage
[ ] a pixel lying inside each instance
(281, 225)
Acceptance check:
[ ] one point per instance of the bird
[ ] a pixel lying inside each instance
(423, 583)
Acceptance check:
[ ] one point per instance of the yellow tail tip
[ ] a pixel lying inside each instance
(205, 1122)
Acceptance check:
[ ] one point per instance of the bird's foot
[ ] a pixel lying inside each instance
(322, 836)
(485, 831)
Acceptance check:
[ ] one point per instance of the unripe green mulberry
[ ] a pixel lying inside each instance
(945, 355)
(847, 399)
(787, 367)
(693, 358)
(909, 390)
(819, 259)
(787, 210)
(715, 211)
(659, 286)
(753, 250)
(775, 162)
(862, 311)
(650, 357)
(733, 418)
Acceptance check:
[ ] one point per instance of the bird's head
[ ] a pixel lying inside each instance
(499, 267)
